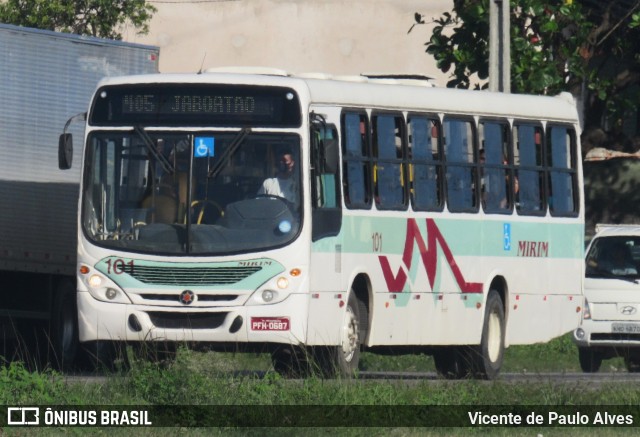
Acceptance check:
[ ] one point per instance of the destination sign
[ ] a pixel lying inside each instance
(196, 105)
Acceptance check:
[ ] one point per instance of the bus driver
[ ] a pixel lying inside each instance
(284, 184)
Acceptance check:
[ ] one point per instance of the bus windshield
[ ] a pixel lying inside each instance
(191, 193)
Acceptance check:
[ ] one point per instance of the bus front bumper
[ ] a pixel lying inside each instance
(283, 322)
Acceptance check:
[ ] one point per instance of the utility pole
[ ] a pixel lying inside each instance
(499, 46)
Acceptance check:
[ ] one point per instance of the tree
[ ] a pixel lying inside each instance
(589, 48)
(101, 18)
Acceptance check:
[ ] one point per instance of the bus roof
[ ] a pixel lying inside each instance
(385, 93)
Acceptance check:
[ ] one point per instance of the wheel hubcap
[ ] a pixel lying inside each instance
(494, 340)
(349, 334)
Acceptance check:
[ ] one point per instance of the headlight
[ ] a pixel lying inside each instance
(95, 281)
(277, 289)
(101, 288)
(282, 283)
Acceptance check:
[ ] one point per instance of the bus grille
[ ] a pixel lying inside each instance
(201, 297)
(187, 320)
(191, 276)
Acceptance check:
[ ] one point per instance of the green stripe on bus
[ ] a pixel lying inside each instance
(464, 237)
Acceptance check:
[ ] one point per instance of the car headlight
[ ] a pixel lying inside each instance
(586, 312)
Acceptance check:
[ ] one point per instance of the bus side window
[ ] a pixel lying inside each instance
(495, 175)
(460, 165)
(325, 179)
(356, 157)
(389, 155)
(324, 146)
(561, 154)
(425, 172)
(529, 169)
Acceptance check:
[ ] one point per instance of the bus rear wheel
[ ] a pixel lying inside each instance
(452, 362)
(488, 355)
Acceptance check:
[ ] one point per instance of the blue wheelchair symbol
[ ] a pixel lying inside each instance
(203, 147)
(506, 236)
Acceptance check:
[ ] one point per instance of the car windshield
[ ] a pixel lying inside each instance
(183, 193)
(614, 256)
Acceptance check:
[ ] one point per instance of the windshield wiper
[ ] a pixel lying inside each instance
(229, 151)
(148, 142)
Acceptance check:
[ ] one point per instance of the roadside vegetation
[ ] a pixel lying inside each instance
(219, 380)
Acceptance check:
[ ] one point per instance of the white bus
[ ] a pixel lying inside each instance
(405, 218)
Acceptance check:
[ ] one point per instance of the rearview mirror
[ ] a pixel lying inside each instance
(65, 151)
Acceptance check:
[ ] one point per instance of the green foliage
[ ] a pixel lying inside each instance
(101, 18)
(19, 386)
(177, 384)
(555, 46)
(206, 379)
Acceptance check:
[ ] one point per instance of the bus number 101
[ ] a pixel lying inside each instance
(119, 266)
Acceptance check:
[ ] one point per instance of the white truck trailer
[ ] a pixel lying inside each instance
(45, 78)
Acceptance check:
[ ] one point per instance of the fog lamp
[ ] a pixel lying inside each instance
(268, 295)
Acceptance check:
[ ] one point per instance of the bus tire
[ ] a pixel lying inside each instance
(590, 360)
(488, 355)
(343, 360)
(64, 330)
(106, 355)
(291, 362)
(452, 362)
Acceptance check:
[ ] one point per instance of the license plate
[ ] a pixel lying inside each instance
(625, 328)
(269, 323)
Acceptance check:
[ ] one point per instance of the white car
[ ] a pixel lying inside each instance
(610, 324)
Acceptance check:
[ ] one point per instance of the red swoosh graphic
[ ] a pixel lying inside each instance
(429, 256)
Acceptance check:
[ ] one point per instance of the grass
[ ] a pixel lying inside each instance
(214, 384)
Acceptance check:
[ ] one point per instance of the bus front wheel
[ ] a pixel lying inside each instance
(343, 360)
(488, 355)
(65, 326)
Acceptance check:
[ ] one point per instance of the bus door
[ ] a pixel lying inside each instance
(326, 218)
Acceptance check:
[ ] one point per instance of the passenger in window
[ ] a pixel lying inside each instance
(504, 203)
(284, 184)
